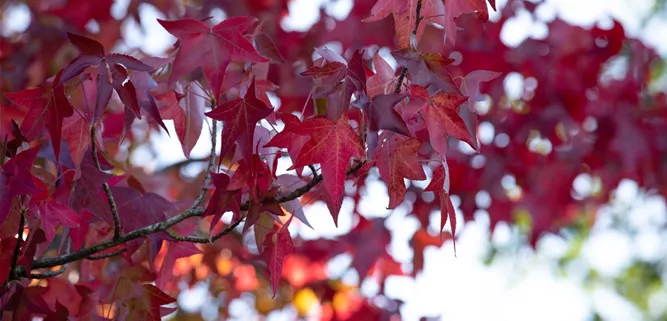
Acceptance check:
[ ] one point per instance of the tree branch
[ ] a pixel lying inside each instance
(106, 255)
(105, 186)
(209, 168)
(404, 71)
(17, 248)
(164, 225)
(181, 164)
(202, 240)
(48, 274)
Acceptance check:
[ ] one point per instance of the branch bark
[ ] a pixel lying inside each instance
(105, 187)
(164, 225)
(404, 70)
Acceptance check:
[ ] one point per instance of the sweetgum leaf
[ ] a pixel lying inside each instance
(211, 48)
(331, 144)
(53, 214)
(47, 108)
(7, 246)
(16, 179)
(381, 114)
(397, 158)
(187, 112)
(239, 117)
(175, 250)
(383, 81)
(440, 113)
(455, 8)
(289, 139)
(277, 246)
(137, 210)
(223, 200)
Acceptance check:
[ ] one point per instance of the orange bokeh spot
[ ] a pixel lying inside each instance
(305, 301)
(223, 265)
(246, 280)
(298, 270)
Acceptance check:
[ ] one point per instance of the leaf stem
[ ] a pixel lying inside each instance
(404, 70)
(105, 186)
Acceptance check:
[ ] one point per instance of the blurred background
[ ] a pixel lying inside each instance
(614, 268)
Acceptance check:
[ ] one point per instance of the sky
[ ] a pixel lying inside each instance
(521, 284)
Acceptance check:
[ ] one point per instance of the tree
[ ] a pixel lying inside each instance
(78, 217)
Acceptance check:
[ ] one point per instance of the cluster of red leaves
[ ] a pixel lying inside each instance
(77, 217)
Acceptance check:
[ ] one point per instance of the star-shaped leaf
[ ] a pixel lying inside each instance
(455, 8)
(277, 246)
(440, 112)
(187, 112)
(331, 144)
(397, 159)
(112, 74)
(223, 200)
(381, 114)
(211, 48)
(47, 108)
(16, 179)
(239, 117)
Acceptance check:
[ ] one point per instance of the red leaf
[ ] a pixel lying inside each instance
(397, 159)
(187, 114)
(175, 251)
(455, 8)
(239, 117)
(9, 113)
(277, 246)
(16, 179)
(331, 145)
(447, 210)
(223, 200)
(53, 214)
(404, 13)
(440, 112)
(47, 107)
(383, 81)
(381, 113)
(7, 247)
(138, 210)
(210, 48)
(76, 131)
(290, 139)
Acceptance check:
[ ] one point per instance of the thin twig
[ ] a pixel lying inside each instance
(401, 77)
(181, 164)
(164, 225)
(105, 186)
(106, 255)
(17, 247)
(209, 169)
(48, 274)
(203, 240)
(404, 70)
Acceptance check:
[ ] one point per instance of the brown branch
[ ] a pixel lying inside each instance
(209, 168)
(106, 255)
(48, 274)
(105, 186)
(166, 224)
(181, 164)
(401, 77)
(202, 240)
